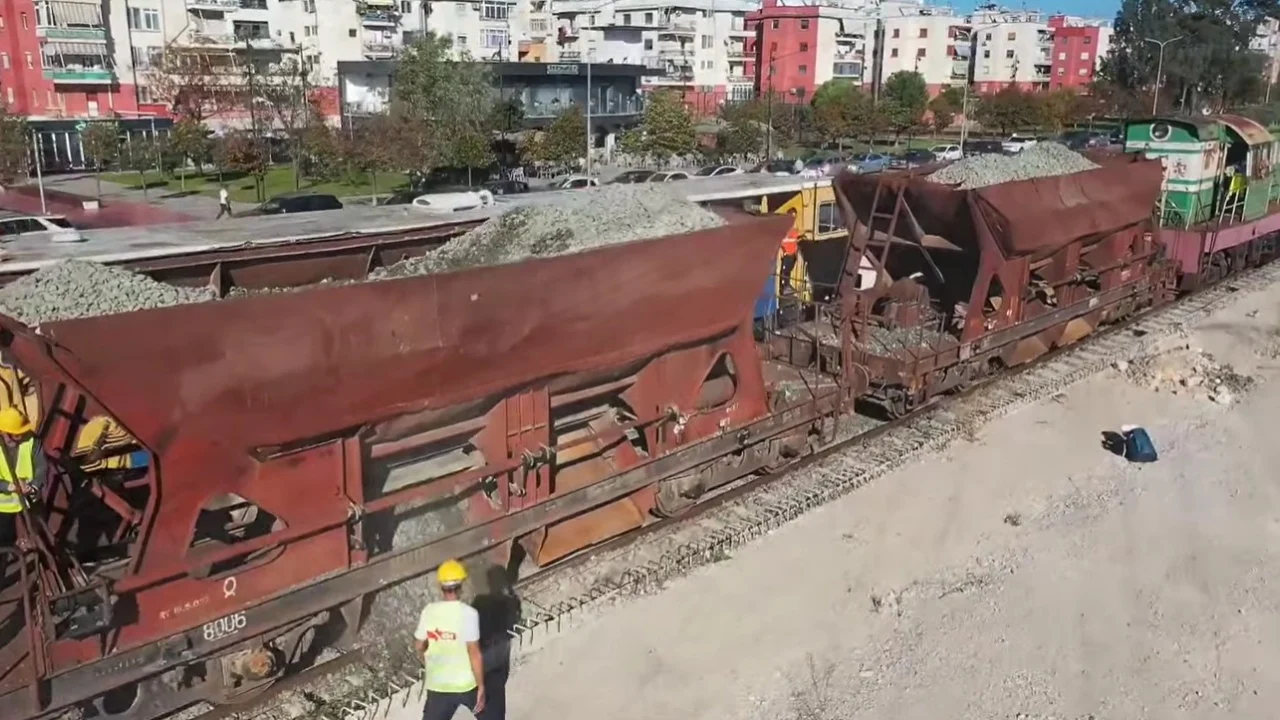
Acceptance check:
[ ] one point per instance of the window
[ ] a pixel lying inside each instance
(495, 38)
(924, 32)
(986, 54)
(49, 99)
(920, 52)
(9, 95)
(496, 11)
(626, 18)
(35, 97)
(253, 4)
(804, 69)
(306, 31)
(829, 219)
(1062, 56)
(406, 7)
(706, 42)
(804, 23)
(804, 47)
(308, 6)
(1008, 54)
(893, 52)
(773, 47)
(1088, 40)
(846, 69)
(148, 18)
(460, 41)
(1, 22)
(1084, 56)
(897, 33)
(1084, 71)
(4, 60)
(988, 38)
(253, 30)
(31, 62)
(25, 26)
(982, 87)
(775, 24)
(1062, 71)
(144, 95)
(648, 18)
(1012, 36)
(648, 44)
(351, 32)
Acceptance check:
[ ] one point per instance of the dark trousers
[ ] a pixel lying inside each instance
(223, 209)
(442, 706)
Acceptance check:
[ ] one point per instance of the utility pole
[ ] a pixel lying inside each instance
(768, 151)
(1155, 93)
(587, 57)
(253, 113)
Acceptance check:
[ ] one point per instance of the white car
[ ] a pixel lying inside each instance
(576, 182)
(49, 228)
(947, 153)
(1017, 143)
(668, 176)
(717, 171)
(454, 201)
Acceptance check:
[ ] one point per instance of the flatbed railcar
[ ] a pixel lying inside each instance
(531, 409)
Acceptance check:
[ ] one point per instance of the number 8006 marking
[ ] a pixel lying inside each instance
(225, 626)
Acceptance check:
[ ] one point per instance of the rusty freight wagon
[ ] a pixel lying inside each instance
(970, 281)
(547, 404)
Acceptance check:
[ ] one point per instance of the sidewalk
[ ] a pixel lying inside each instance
(197, 205)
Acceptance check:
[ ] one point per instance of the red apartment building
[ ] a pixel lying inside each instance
(1076, 49)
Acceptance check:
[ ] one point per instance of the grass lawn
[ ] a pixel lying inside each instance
(277, 180)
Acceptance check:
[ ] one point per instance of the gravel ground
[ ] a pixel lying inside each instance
(1043, 159)
(582, 220)
(1026, 574)
(76, 289)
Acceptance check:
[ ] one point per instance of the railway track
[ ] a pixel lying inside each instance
(709, 532)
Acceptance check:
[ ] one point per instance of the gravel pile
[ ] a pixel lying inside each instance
(1044, 159)
(1190, 371)
(580, 220)
(77, 289)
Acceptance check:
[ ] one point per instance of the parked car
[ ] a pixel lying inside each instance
(983, 147)
(668, 176)
(717, 171)
(577, 182)
(506, 187)
(1017, 143)
(48, 228)
(913, 159)
(947, 153)
(778, 167)
(632, 176)
(868, 162)
(451, 202)
(400, 197)
(295, 203)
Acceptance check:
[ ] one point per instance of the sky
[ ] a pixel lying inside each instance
(1087, 8)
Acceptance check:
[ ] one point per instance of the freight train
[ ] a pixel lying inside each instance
(226, 478)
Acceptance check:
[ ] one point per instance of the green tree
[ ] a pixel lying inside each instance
(473, 150)
(372, 148)
(945, 107)
(566, 139)
(667, 126)
(242, 152)
(742, 131)
(506, 116)
(841, 110)
(140, 155)
(101, 141)
(443, 104)
(1062, 107)
(906, 97)
(14, 141)
(1009, 109)
(189, 138)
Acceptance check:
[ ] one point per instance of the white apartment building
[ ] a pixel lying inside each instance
(698, 45)
(931, 41)
(1011, 48)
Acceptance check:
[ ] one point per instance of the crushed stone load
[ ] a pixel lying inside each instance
(576, 221)
(1045, 159)
(1187, 370)
(76, 289)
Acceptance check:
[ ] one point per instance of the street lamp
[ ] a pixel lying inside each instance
(964, 101)
(1155, 94)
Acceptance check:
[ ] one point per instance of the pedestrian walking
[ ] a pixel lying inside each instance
(224, 203)
(448, 640)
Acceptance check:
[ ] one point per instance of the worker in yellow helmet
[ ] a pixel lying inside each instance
(448, 640)
(22, 469)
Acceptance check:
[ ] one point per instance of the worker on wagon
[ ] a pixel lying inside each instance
(448, 640)
(22, 469)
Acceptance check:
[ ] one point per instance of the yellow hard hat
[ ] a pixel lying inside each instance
(13, 422)
(451, 573)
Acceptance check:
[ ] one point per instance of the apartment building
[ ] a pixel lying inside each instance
(1011, 49)
(931, 41)
(696, 47)
(799, 46)
(1266, 41)
(1079, 46)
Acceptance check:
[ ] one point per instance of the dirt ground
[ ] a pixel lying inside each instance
(1030, 574)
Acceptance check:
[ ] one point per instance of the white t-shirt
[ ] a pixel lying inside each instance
(222, 196)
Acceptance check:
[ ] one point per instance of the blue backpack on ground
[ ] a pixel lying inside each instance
(1138, 446)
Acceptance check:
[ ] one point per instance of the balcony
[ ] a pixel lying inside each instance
(571, 55)
(737, 52)
(214, 5)
(360, 109)
(78, 34)
(738, 77)
(674, 80)
(212, 40)
(379, 50)
(1044, 39)
(681, 26)
(80, 76)
(379, 18)
(960, 70)
(741, 31)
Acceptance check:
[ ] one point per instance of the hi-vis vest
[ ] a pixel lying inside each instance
(448, 664)
(10, 499)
